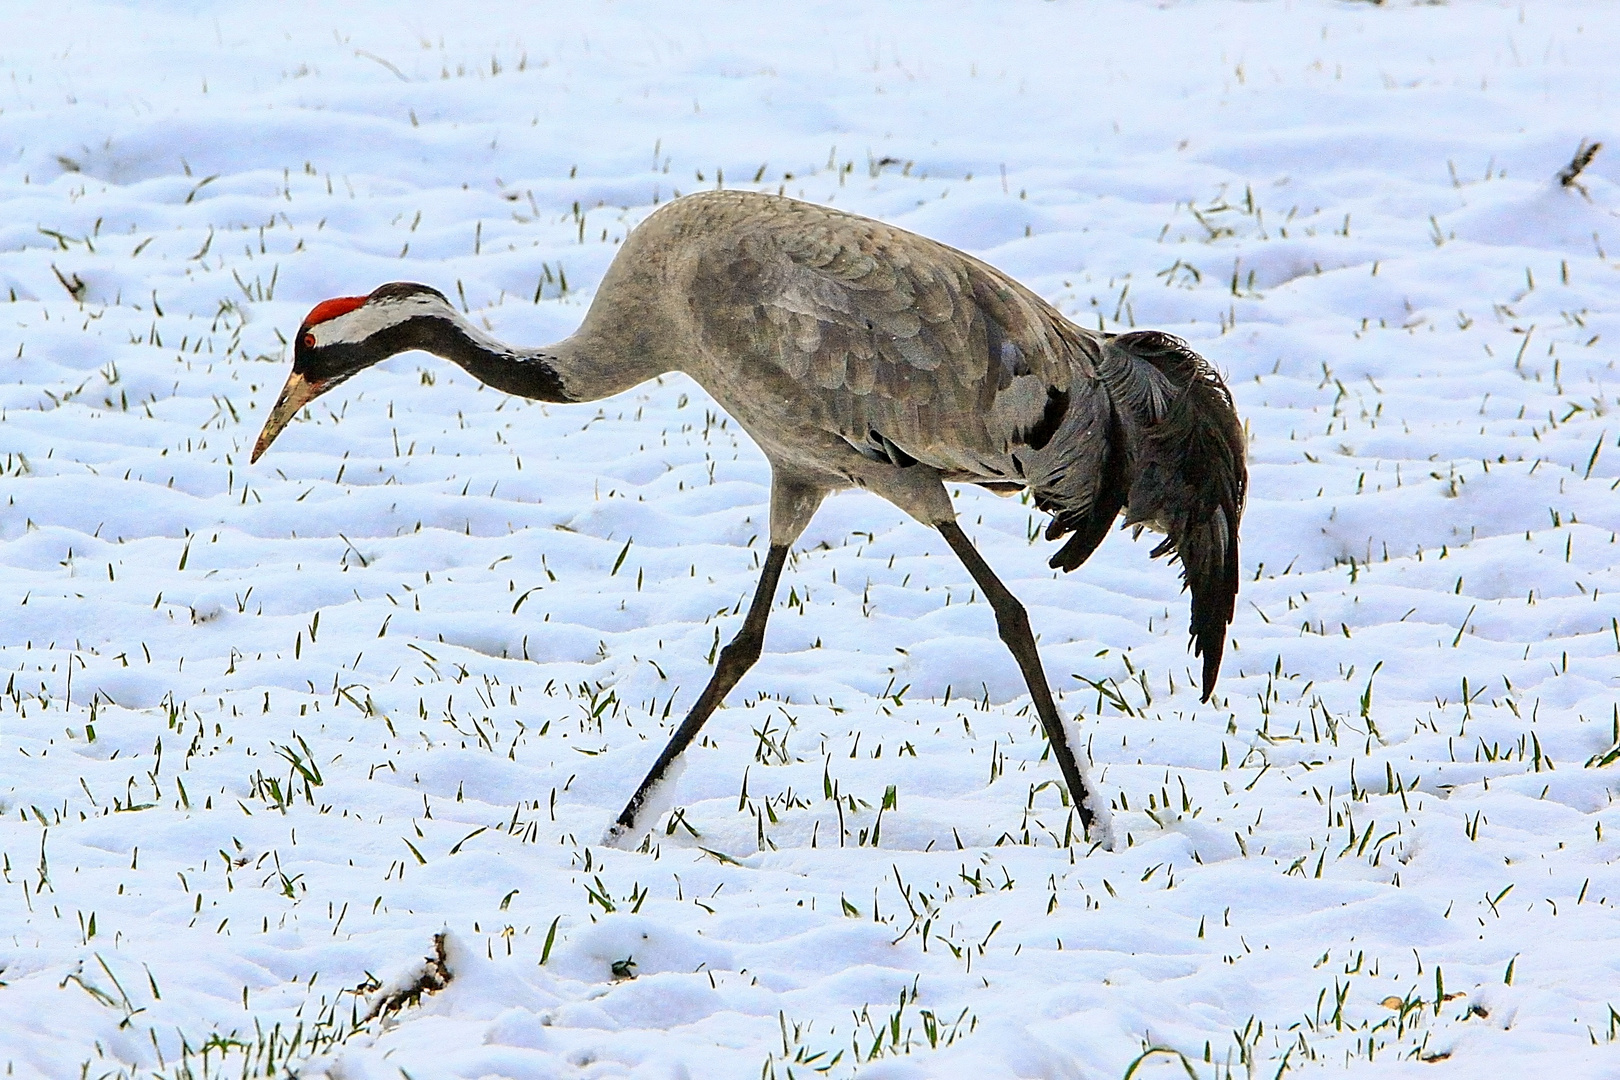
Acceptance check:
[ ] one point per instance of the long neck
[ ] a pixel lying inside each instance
(530, 373)
(586, 366)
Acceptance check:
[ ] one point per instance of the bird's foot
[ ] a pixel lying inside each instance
(619, 835)
(652, 801)
(1100, 826)
(1101, 830)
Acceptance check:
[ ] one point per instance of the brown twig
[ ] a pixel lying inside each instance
(75, 287)
(435, 976)
(373, 56)
(1583, 157)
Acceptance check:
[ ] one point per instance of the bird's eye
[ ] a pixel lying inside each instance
(309, 341)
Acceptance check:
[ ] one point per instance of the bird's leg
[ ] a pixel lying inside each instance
(1013, 624)
(735, 660)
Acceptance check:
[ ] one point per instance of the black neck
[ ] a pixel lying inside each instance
(529, 374)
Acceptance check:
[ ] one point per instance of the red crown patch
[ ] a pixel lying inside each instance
(331, 309)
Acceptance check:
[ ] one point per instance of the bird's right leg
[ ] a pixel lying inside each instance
(1012, 622)
(791, 509)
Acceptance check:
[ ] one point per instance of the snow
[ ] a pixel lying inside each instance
(269, 729)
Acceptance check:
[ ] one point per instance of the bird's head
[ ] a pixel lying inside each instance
(344, 336)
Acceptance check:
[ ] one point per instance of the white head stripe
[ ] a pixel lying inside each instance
(373, 316)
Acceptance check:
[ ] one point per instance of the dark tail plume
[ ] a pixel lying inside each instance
(1174, 462)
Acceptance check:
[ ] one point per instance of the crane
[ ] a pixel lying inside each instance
(857, 354)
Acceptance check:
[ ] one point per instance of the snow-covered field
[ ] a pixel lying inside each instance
(269, 729)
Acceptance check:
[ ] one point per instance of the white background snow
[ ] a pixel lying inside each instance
(268, 729)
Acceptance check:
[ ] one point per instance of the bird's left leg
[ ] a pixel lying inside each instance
(1012, 621)
(791, 509)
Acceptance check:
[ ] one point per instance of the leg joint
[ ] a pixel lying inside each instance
(1012, 620)
(741, 653)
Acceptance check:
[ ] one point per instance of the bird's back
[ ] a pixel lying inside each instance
(903, 348)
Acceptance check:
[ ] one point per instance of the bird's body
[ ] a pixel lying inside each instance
(849, 350)
(856, 354)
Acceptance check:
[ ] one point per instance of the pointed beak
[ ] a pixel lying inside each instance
(298, 392)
